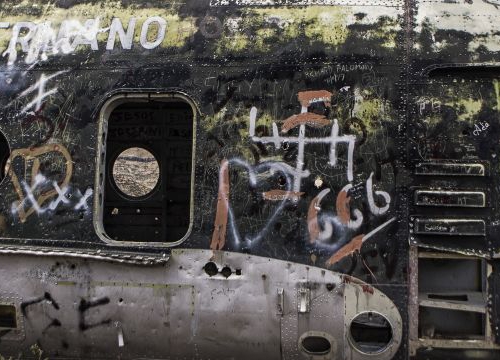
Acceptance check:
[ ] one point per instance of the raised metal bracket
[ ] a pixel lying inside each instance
(281, 301)
(304, 305)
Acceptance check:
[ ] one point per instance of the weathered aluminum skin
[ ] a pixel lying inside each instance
(176, 310)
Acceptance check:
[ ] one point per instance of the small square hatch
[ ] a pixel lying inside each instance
(8, 316)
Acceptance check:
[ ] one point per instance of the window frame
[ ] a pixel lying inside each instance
(101, 168)
(4, 158)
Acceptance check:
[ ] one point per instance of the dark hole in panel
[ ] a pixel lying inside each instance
(437, 276)
(465, 72)
(211, 269)
(8, 318)
(448, 297)
(4, 155)
(226, 271)
(316, 345)
(437, 323)
(148, 171)
(428, 353)
(371, 332)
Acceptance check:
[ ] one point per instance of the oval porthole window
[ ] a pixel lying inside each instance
(371, 332)
(136, 172)
(316, 345)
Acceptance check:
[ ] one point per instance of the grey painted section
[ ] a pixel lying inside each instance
(80, 308)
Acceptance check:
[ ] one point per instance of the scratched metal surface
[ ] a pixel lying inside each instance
(314, 120)
(348, 159)
(178, 311)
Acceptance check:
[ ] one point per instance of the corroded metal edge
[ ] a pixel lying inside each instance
(87, 254)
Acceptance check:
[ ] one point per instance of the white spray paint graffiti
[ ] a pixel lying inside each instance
(428, 105)
(38, 41)
(35, 197)
(478, 129)
(83, 199)
(326, 229)
(126, 38)
(41, 92)
(271, 168)
(371, 201)
(64, 194)
(61, 195)
(333, 140)
(332, 221)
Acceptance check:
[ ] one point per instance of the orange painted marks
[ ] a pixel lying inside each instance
(351, 247)
(347, 279)
(280, 195)
(343, 207)
(312, 218)
(220, 225)
(306, 98)
(32, 155)
(367, 289)
(310, 119)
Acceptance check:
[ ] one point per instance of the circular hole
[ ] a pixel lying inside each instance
(226, 271)
(371, 332)
(316, 345)
(211, 269)
(136, 172)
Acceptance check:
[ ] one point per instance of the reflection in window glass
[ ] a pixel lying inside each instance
(136, 172)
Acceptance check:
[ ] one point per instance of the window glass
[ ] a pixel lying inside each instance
(136, 172)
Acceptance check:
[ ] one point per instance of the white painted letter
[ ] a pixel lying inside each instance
(162, 26)
(371, 201)
(253, 117)
(15, 39)
(43, 40)
(125, 39)
(87, 35)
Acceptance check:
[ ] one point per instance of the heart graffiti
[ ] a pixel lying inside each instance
(321, 226)
(225, 219)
